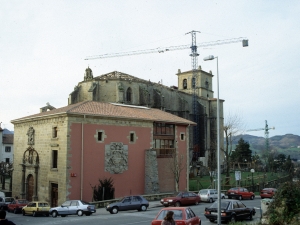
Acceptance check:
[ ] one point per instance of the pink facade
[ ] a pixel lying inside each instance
(131, 181)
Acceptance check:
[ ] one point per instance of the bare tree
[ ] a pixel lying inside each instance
(233, 126)
(176, 164)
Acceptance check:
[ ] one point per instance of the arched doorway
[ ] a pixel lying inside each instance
(30, 187)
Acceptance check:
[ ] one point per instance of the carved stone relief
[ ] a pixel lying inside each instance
(30, 134)
(30, 157)
(116, 157)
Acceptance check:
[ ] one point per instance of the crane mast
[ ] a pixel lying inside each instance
(266, 129)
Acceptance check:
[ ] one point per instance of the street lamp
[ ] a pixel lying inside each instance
(252, 171)
(211, 57)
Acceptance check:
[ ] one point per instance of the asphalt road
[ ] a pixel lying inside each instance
(102, 217)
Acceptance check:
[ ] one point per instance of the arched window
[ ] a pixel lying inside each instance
(184, 84)
(128, 94)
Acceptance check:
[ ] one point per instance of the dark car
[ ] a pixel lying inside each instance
(182, 198)
(231, 210)
(135, 202)
(4, 201)
(240, 193)
(267, 192)
(17, 205)
(182, 215)
(73, 207)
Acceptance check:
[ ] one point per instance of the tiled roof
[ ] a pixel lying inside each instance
(103, 109)
(8, 139)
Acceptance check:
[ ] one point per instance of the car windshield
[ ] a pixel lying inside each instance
(179, 194)
(224, 204)
(23, 201)
(233, 189)
(177, 214)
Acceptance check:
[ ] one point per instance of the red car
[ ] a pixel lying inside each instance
(240, 193)
(268, 192)
(182, 198)
(182, 216)
(17, 205)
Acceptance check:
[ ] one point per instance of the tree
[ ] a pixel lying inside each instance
(176, 165)
(233, 126)
(104, 191)
(242, 152)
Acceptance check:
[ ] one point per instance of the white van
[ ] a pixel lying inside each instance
(209, 195)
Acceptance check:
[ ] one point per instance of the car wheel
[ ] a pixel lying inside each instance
(233, 219)
(196, 203)
(23, 212)
(210, 200)
(223, 197)
(252, 197)
(114, 210)
(143, 208)
(15, 211)
(54, 214)
(240, 197)
(250, 216)
(34, 214)
(212, 220)
(79, 213)
(177, 204)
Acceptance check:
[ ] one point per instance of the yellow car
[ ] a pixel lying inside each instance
(36, 208)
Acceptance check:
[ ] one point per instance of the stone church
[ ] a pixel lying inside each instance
(123, 88)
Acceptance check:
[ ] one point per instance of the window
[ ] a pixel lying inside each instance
(7, 149)
(100, 136)
(128, 94)
(131, 137)
(184, 85)
(182, 136)
(163, 129)
(54, 159)
(7, 160)
(54, 132)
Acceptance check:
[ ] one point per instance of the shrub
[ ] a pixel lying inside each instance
(286, 205)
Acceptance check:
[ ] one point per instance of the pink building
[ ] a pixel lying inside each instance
(69, 149)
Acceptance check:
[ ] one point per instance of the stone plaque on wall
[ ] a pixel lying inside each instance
(116, 157)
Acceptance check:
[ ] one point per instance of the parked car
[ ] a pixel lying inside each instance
(240, 193)
(209, 195)
(4, 201)
(231, 211)
(73, 207)
(182, 215)
(182, 198)
(267, 192)
(17, 205)
(135, 202)
(36, 208)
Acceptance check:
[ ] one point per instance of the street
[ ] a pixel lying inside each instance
(102, 217)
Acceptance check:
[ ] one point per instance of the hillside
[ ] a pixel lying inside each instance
(288, 144)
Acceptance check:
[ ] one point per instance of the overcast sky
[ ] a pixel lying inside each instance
(43, 45)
